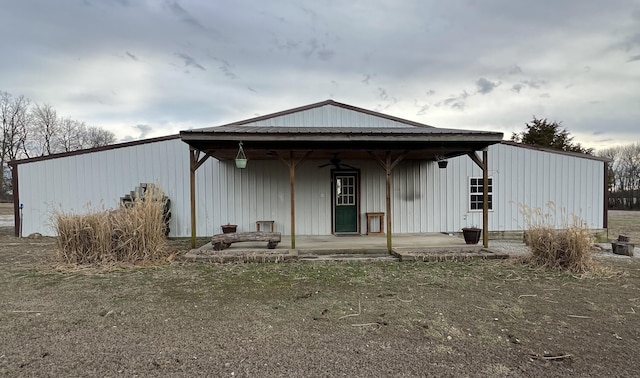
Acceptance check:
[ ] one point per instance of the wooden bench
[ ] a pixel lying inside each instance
(223, 241)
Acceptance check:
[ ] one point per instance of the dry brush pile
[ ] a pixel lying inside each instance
(130, 234)
(568, 248)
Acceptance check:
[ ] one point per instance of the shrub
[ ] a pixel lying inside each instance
(568, 248)
(131, 233)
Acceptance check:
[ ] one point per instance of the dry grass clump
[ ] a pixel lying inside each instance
(568, 248)
(131, 234)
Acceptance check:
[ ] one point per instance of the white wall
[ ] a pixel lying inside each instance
(328, 116)
(97, 180)
(425, 198)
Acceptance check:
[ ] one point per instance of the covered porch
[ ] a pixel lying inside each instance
(344, 149)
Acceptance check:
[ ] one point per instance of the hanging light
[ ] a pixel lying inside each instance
(241, 158)
(442, 163)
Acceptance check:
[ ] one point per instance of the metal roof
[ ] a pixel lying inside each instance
(239, 129)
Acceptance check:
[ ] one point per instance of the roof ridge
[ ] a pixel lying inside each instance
(324, 103)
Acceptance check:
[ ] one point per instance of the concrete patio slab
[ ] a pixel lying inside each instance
(406, 247)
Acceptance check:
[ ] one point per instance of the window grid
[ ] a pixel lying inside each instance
(476, 193)
(345, 191)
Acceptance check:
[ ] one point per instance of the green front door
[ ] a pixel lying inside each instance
(345, 189)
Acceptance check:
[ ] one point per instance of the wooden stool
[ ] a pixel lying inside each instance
(371, 216)
(261, 223)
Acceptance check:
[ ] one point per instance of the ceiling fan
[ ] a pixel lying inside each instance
(337, 164)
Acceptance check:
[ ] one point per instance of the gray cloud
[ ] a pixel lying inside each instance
(515, 69)
(130, 55)
(485, 86)
(536, 84)
(144, 130)
(367, 78)
(225, 68)
(517, 87)
(325, 54)
(189, 61)
(183, 15)
(256, 57)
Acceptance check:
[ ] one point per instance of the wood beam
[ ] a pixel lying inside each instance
(605, 209)
(17, 217)
(194, 163)
(399, 159)
(375, 157)
(388, 169)
(292, 188)
(292, 163)
(485, 198)
(476, 159)
(388, 165)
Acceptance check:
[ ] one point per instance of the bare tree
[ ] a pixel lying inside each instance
(98, 137)
(71, 135)
(44, 130)
(14, 115)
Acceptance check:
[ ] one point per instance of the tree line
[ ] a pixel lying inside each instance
(624, 176)
(32, 129)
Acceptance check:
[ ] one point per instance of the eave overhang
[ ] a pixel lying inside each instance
(351, 142)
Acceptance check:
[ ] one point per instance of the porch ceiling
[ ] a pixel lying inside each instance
(264, 143)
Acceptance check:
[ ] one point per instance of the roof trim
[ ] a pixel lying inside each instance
(554, 151)
(324, 103)
(349, 134)
(94, 149)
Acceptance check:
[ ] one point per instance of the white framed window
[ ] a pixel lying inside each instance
(476, 193)
(345, 190)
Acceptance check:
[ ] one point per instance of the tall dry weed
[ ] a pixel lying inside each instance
(131, 234)
(567, 248)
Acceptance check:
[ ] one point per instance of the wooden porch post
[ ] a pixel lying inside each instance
(292, 164)
(194, 164)
(484, 165)
(292, 188)
(388, 200)
(193, 159)
(485, 198)
(388, 166)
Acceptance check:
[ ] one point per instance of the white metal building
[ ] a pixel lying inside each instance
(423, 197)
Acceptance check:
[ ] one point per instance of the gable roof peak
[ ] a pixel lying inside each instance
(264, 119)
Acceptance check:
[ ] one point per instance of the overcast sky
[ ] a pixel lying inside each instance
(144, 68)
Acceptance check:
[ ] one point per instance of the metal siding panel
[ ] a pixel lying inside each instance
(328, 116)
(99, 178)
(547, 177)
(426, 199)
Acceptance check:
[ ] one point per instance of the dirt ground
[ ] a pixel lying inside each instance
(488, 318)
(6, 208)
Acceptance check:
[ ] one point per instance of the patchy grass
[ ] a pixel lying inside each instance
(483, 318)
(6, 208)
(357, 319)
(624, 223)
